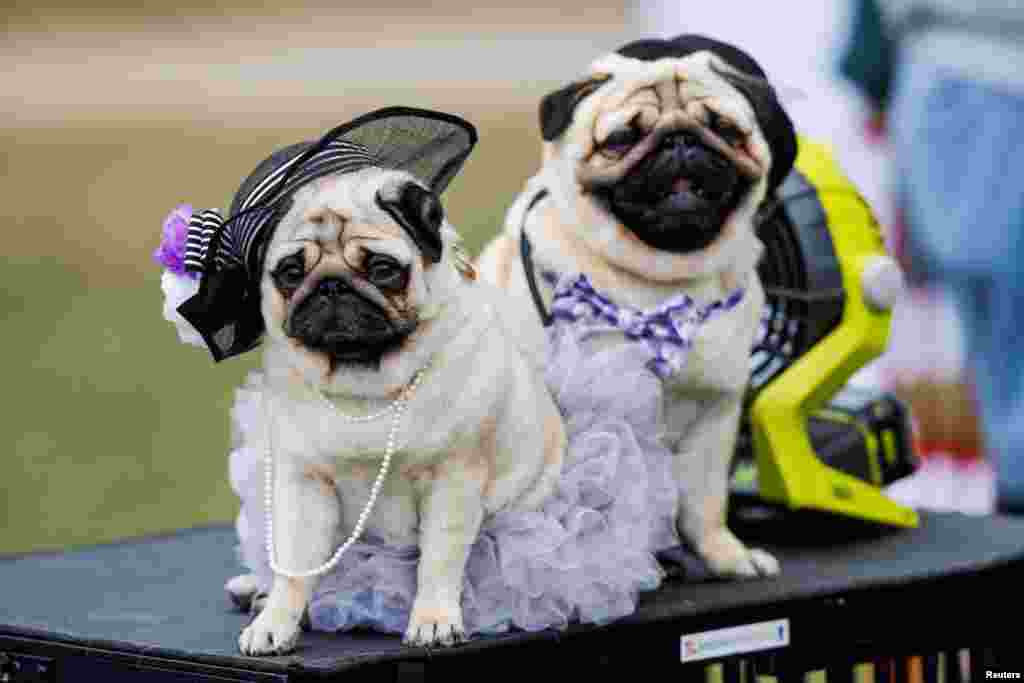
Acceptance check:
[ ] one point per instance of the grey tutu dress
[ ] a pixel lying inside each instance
(591, 549)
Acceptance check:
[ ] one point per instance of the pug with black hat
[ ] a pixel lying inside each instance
(392, 404)
(639, 231)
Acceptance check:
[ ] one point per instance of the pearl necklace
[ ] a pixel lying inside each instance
(397, 409)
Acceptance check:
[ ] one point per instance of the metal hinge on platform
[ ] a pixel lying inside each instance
(17, 668)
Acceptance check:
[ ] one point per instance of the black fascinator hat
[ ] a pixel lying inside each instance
(228, 252)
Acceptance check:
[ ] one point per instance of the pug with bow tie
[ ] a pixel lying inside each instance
(639, 228)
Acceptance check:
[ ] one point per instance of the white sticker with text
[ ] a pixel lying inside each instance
(734, 640)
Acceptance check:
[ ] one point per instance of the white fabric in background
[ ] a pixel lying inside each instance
(948, 484)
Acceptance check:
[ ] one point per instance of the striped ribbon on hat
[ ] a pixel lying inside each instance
(241, 235)
(201, 228)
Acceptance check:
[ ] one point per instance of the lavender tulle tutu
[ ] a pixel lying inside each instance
(584, 556)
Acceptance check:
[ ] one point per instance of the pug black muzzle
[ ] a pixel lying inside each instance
(352, 330)
(679, 196)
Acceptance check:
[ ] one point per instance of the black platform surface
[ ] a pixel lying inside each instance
(162, 600)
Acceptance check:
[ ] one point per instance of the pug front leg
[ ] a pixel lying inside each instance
(701, 465)
(306, 519)
(451, 512)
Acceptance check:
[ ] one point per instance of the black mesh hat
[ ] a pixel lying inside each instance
(228, 253)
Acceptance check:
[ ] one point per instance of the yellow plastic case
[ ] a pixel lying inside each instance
(789, 472)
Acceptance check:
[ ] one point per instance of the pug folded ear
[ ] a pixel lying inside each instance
(420, 214)
(776, 125)
(556, 109)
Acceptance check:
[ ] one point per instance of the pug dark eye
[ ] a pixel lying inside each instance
(620, 141)
(724, 128)
(289, 273)
(385, 272)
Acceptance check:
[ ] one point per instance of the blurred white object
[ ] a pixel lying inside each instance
(177, 290)
(947, 484)
(883, 283)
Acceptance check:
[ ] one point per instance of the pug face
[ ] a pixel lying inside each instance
(660, 164)
(350, 275)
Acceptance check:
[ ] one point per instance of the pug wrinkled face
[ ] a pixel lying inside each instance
(346, 275)
(661, 156)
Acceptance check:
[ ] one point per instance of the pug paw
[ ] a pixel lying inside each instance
(435, 628)
(727, 557)
(255, 604)
(764, 562)
(273, 632)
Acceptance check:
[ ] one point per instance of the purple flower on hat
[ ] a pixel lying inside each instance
(171, 252)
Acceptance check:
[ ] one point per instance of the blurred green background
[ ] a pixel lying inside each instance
(112, 116)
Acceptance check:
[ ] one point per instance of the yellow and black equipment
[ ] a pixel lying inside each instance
(810, 440)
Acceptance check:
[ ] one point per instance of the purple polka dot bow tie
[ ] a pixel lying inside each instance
(668, 330)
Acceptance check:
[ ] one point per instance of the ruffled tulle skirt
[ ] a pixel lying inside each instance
(585, 555)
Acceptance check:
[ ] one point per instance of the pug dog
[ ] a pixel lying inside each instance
(655, 165)
(370, 307)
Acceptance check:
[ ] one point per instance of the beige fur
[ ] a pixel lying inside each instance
(469, 445)
(571, 232)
